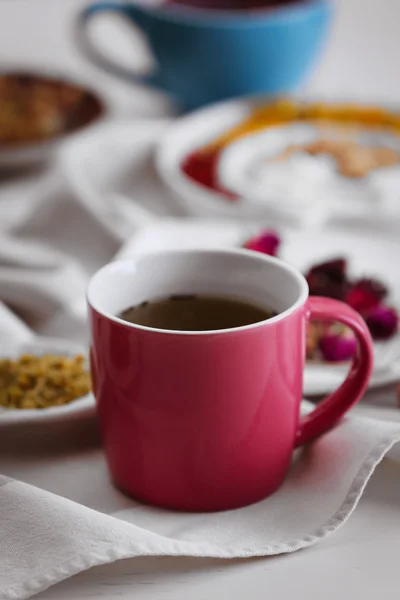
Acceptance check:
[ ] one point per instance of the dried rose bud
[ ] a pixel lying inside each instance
(329, 279)
(267, 242)
(335, 268)
(338, 344)
(366, 294)
(382, 321)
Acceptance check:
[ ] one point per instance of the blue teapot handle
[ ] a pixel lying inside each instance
(99, 58)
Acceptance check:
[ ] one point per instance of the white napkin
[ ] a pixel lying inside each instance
(59, 512)
(45, 538)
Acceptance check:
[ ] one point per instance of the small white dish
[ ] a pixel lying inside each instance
(370, 254)
(201, 127)
(77, 409)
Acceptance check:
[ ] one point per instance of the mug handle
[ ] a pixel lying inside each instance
(95, 55)
(333, 407)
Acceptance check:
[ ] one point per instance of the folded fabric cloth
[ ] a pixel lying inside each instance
(12, 329)
(49, 247)
(36, 280)
(46, 537)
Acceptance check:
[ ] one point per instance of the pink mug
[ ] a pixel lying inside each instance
(208, 420)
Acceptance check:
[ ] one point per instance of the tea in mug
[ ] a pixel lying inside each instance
(196, 313)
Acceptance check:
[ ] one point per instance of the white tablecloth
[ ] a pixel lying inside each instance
(361, 560)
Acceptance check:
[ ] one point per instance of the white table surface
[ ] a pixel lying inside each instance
(362, 559)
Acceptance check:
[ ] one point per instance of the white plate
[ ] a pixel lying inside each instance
(80, 408)
(369, 254)
(197, 129)
(111, 172)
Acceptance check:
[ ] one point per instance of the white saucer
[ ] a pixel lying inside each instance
(77, 409)
(370, 254)
(201, 127)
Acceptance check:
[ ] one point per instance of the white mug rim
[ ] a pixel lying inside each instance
(291, 270)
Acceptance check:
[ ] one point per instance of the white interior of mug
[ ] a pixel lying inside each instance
(241, 274)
